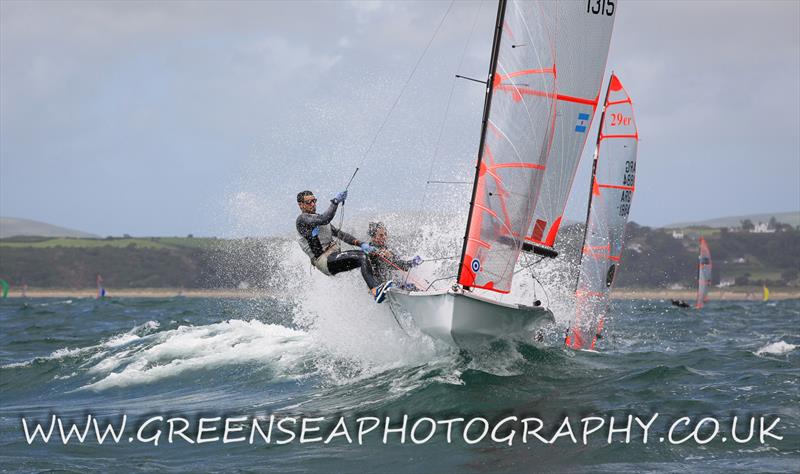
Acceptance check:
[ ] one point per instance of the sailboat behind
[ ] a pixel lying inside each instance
(703, 274)
(611, 193)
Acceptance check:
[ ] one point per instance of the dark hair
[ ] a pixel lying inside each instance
(303, 194)
(374, 227)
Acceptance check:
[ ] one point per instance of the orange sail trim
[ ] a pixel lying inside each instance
(517, 93)
(615, 186)
(517, 165)
(595, 188)
(498, 78)
(538, 230)
(551, 236)
(481, 243)
(486, 209)
(632, 135)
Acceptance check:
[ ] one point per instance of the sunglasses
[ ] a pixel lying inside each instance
(310, 201)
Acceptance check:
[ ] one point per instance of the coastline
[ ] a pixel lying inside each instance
(751, 294)
(140, 293)
(716, 294)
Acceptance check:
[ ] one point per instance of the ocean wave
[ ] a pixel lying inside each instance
(776, 348)
(185, 349)
(98, 349)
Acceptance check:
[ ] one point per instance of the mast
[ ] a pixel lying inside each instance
(593, 176)
(487, 104)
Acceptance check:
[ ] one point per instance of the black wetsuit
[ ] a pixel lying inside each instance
(383, 267)
(308, 227)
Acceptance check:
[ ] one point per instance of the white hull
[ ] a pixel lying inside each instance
(466, 320)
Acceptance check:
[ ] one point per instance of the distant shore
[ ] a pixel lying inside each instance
(715, 294)
(139, 293)
(622, 294)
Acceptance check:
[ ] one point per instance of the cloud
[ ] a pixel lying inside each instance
(198, 101)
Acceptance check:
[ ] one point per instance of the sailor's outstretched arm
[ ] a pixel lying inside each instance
(405, 265)
(313, 220)
(345, 237)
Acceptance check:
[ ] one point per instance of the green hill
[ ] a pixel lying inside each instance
(791, 218)
(156, 262)
(12, 226)
(653, 258)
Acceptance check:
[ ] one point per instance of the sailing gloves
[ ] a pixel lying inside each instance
(340, 197)
(367, 248)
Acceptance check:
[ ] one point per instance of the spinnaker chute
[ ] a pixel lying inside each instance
(611, 191)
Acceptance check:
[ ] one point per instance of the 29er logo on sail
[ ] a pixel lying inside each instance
(600, 7)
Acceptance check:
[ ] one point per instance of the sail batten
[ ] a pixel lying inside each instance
(547, 60)
(611, 191)
(580, 65)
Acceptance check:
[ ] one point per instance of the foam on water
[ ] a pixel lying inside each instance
(98, 350)
(192, 348)
(776, 348)
(357, 335)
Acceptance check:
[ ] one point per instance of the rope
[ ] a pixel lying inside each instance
(529, 266)
(391, 309)
(408, 273)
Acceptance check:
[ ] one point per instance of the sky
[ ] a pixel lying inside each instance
(171, 118)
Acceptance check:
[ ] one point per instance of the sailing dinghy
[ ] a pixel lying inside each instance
(703, 274)
(611, 192)
(545, 74)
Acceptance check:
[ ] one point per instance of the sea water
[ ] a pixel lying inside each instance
(340, 358)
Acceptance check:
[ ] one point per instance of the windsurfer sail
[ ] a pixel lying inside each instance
(703, 274)
(611, 191)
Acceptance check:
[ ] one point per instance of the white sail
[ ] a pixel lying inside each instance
(703, 274)
(612, 188)
(582, 34)
(544, 52)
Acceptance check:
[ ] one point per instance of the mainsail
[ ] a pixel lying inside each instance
(582, 38)
(545, 55)
(703, 274)
(611, 193)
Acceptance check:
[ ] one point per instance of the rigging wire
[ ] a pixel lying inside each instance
(435, 154)
(400, 94)
(421, 204)
(391, 109)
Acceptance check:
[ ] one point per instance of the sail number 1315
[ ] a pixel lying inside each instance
(600, 7)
